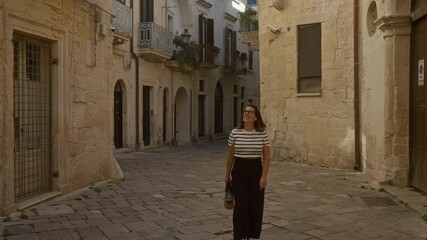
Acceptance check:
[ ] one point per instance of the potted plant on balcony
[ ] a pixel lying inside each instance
(186, 54)
(249, 20)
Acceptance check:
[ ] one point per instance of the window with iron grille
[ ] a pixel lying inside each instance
(32, 112)
(309, 58)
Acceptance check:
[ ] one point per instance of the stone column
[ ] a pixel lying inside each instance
(396, 33)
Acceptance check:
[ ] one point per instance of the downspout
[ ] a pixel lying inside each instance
(357, 144)
(173, 140)
(135, 56)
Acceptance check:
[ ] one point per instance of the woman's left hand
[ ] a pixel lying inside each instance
(262, 183)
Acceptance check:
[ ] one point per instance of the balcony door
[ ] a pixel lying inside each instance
(230, 48)
(147, 11)
(206, 39)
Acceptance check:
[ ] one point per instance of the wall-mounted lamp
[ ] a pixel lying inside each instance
(185, 36)
(273, 30)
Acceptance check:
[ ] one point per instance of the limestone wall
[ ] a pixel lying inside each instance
(308, 128)
(82, 147)
(384, 74)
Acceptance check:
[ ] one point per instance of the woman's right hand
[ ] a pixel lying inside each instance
(227, 179)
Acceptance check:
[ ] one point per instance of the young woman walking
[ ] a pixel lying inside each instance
(248, 161)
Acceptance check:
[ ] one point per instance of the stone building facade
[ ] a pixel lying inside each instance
(84, 79)
(178, 104)
(337, 85)
(56, 99)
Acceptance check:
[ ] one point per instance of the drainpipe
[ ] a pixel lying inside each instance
(135, 56)
(357, 144)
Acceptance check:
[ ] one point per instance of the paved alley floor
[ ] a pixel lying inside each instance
(176, 193)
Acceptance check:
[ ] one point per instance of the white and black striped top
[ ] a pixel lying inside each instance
(248, 144)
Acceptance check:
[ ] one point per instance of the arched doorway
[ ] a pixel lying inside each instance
(182, 116)
(219, 99)
(118, 115)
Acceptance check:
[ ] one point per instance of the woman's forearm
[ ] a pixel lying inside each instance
(266, 161)
(229, 164)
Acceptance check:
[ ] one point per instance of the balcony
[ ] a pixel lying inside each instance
(249, 29)
(155, 42)
(122, 23)
(208, 56)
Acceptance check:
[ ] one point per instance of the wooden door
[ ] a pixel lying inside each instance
(218, 109)
(146, 115)
(201, 116)
(418, 105)
(118, 116)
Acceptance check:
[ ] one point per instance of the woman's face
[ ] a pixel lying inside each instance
(249, 115)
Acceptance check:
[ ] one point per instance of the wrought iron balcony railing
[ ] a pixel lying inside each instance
(249, 23)
(122, 21)
(155, 38)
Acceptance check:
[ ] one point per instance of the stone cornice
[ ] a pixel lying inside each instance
(204, 3)
(230, 17)
(391, 22)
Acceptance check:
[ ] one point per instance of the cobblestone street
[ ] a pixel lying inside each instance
(176, 193)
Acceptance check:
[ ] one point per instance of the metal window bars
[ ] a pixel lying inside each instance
(32, 117)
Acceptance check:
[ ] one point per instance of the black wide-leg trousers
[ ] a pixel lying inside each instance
(249, 199)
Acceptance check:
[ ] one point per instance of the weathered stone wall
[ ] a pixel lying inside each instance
(384, 71)
(320, 129)
(82, 147)
(311, 129)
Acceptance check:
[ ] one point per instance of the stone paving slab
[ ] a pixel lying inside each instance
(176, 193)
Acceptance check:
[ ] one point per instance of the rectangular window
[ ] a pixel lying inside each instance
(235, 89)
(201, 86)
(122, 1)
(309, 58)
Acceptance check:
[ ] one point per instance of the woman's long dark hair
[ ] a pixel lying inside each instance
(259, 124)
